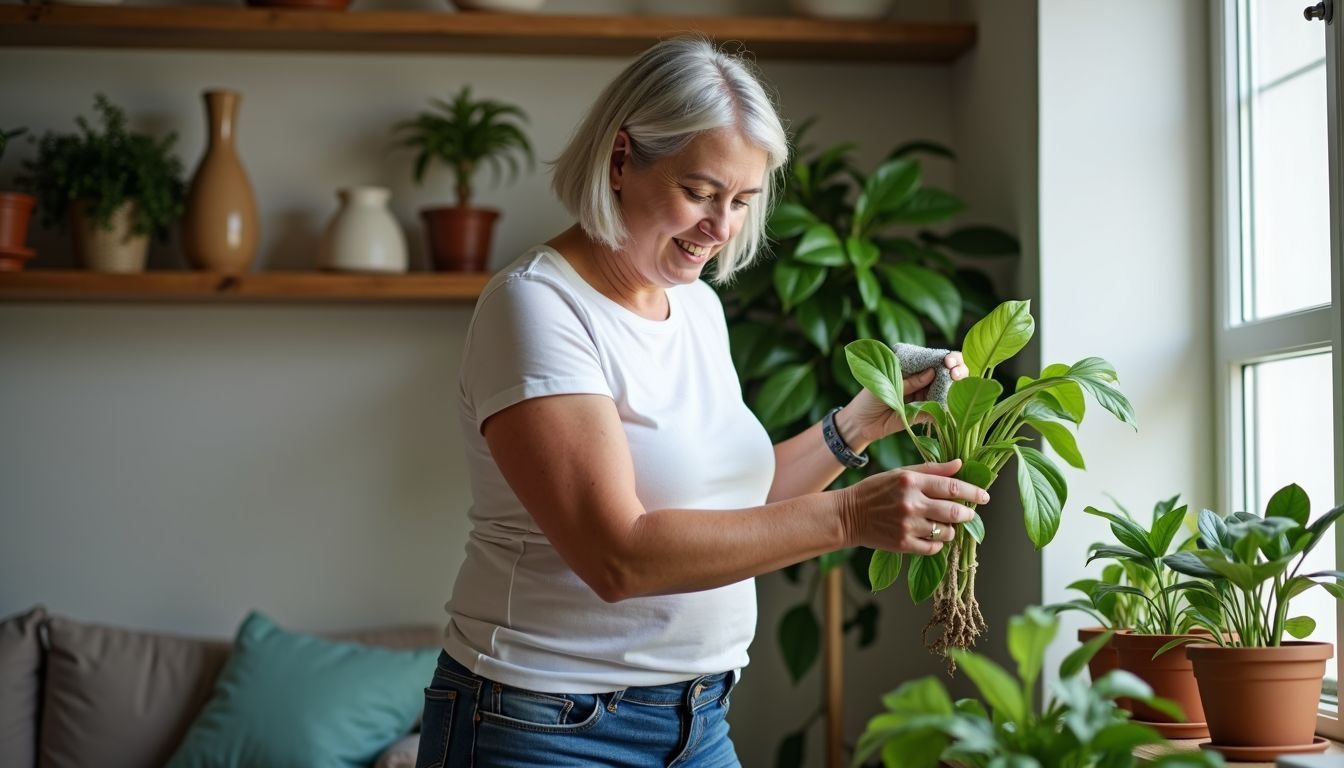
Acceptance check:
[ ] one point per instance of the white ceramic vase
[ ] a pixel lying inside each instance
(363, 236)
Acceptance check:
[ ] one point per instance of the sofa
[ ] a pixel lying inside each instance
(76, 694)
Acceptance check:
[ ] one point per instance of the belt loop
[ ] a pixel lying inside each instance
(615, 700)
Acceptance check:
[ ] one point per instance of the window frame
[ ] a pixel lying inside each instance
(1237, 344)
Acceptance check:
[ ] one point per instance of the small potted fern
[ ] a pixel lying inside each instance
(15, 210)
(465, 134)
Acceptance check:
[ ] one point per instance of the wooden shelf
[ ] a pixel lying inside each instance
(421, 32)
(80, 286)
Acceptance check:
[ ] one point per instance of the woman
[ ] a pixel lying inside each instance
(624, 495)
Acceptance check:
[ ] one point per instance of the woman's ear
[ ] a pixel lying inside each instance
(620, 158)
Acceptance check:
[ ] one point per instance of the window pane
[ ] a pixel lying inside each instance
(1287, 266)
(1290, 439)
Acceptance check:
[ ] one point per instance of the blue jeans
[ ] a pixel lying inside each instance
(472, 722)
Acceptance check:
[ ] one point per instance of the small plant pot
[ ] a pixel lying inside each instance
(1261, 697)
(15, 211)
(1170, 675)
(1106, 659)
(109, 250)
(459, 238)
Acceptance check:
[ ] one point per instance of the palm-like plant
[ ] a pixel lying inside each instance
(464, 134)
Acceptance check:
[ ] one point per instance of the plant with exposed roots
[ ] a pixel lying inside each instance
(983, 428)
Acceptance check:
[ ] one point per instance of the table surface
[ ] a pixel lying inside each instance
(1189, 745)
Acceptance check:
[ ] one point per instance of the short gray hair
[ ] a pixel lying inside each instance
(675, 90)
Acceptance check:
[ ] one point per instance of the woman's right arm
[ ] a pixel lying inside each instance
(567, 460)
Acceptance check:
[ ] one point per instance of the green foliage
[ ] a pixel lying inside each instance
(983, 428)
(104, 167)
(5, 136)
(464, 134)
(1113, 609)
(1078, 727)
(1248, 566)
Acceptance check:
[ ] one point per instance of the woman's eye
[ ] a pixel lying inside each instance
(696, 196)
(739, 204)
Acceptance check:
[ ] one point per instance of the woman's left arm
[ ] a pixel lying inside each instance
(803, 463)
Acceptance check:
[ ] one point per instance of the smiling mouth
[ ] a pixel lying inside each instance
(698, 251)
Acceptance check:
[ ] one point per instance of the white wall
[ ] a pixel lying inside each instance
(171, 466)
(1126, 264)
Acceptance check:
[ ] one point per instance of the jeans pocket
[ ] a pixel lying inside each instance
(436, 727)
(546, 712)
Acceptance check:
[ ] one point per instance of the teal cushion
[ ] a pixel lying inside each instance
(290, 699)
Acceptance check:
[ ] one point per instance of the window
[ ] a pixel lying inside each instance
(1279, 334)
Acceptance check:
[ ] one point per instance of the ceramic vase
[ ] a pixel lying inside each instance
(220, 229)
(363, 236)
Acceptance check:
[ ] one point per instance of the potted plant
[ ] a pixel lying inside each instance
(1171, 609)
(983, 430)
(15, 210)
(1079, 726)
(789, 317)
(1113, 611)
(1260, 691)
(114, 188)
(465, 134)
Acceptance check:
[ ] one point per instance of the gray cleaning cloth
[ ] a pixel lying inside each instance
(915, 359)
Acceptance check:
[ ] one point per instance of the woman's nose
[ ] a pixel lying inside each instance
(716, 227)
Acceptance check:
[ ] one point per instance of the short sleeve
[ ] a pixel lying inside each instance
(529, 338)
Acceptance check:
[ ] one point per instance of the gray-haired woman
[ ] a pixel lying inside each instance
(624, 495)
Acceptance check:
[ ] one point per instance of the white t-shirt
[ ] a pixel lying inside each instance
(518, 614)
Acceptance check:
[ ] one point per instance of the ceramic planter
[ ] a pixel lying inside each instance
(114, 249)
(459, 238)
(1106, 658)
(1261, 697)
(15, 211)
(1170, 675)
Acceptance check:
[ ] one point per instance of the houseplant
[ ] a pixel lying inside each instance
(789, 317)
(1078, 727)
(15, 210)
(984, 432)
(465, 134)
(1260, 690)
(115, 188)
(1112, 610)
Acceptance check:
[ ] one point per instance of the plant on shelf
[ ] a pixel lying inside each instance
(1079, 726)
(984, 431)
(465, 134)
(1259, 689)
(116, 188)
(790, 316)
(16, 209)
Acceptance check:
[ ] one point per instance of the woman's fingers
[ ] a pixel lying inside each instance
(917, 381)
(923, 547)
(947, 513)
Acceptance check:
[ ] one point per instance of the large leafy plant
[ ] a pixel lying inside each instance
(983, 428)
(463, 135)
(1078, 727)
(852, 259)
(1111, 609)
(1251, 566)
(103, 167)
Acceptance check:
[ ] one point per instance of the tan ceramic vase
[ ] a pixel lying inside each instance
(1261, 697)
(220, 229)
(113, 249)
(1170, 676)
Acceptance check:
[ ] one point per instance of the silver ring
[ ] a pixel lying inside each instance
(934, 532)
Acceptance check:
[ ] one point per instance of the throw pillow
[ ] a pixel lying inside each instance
(20, 686)
(292, 699)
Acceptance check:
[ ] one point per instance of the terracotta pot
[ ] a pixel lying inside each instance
(108, 250)
(15, 211)
(1106, 658)
(459, 238)
(1261, 697)
(1170, 676)
(220, 230)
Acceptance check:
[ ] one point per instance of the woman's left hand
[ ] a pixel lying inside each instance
(871, 419)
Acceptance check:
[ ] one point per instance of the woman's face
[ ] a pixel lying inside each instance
(683, 209)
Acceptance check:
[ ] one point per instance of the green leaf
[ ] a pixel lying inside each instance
(980, 241)
(790, 754)
(1124, 737)
(795, 282)
(1186, 564)
(1126, 531)
(930, 147)
(915, 748)
(1116, 553)
(1165, 529)
(925, 696)
(886, 191)
(832, 559)
(822, 247)
(790, 220)
(786, 395)
(1300, 626)
(863, 253)
(870, 290)
(926, 573)
(1043, 493)
(1322, 524)
(928, 293)
(1080, 656)
(877, 369)
(1103, 390)
(998, 336)
(1029, 634)
(799, 640)
(1291, 502)
(1060, 439)
(1066, 400)
(821, 319)
(927, 206)
(898, 324)
(998, 688)
(884, 569)
(970, 400)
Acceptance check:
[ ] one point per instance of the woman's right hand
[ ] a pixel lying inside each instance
(896, 510)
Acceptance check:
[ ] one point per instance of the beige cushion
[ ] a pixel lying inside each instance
(20, 687)
(116, 697)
